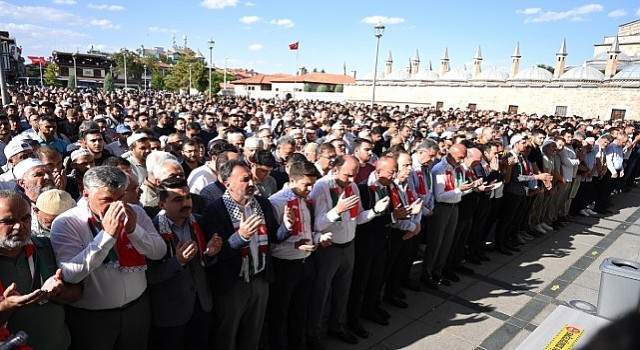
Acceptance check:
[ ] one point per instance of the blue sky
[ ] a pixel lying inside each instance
(256, 33)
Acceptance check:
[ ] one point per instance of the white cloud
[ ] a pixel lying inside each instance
(30, 32)
(283, 22)
(255, 47)
(529, 11)
(65, 2)
(218, 4)
(575, 14)
(105, 7)
(249, 19)
(104, 23)
(383, 20)
(617, 13)
(40, 13)
(156, 29)
(249, 4)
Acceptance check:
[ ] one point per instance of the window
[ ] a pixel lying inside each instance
(472, 107)
(561, 111)
(618, 114)
(64, 71)
(513, 109)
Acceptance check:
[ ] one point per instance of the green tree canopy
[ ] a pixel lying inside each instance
(71, 83)
(108, 85)
(50, 75)
(185, 68)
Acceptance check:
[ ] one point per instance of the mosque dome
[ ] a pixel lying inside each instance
(426, 75)
(456, 75)
(599, 61)
(632, 72)
(582, 73)
(492, 74)
(401, 75)
(533, 73)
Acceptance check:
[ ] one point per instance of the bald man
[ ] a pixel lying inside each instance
(449, 186)
(337, 209)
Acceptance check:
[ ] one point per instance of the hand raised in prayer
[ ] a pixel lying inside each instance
(185, 251)
(12, 299)
(303, 244)
(214, 245)
(381, 205)
(326, 239)
(289, 219)
(346, 203)
(416, 206)
(249, 226)
(53, 285)
(401, 212)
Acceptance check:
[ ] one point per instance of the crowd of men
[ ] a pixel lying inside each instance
(152, 220)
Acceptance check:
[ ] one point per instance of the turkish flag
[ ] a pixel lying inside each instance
(37, 60)
(294, 46)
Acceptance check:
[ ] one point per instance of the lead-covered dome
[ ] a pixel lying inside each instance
(426, 75)
(583, 73)
(534, 73)
(632, 72)
(456, 75)
(492, 74)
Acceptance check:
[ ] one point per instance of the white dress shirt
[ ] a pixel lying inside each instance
(200, 177)
(326, 217)
(81, 257)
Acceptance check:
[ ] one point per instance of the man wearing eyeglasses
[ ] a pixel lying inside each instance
(326, 156)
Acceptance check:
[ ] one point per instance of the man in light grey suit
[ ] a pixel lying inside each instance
(181, 299)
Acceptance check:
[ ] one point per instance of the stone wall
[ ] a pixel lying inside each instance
(587, 100)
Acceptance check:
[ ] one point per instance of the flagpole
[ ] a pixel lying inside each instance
(41, 81)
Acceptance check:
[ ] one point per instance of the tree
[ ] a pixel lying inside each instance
(549, 68)
(50, 75)
(322, 88)
(306, 87)
(157, 80)
(135, 65)
(108, 85)
(188, 67)
(339, 88)
(71, 83)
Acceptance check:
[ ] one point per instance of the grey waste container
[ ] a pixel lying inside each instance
(619, 288)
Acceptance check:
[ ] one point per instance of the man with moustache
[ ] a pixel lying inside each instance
(337, 210)
(293, 261)
(104, 243)
(179, 290)
(325, 158)
(371, 242)
(240, 279)
(31, 299)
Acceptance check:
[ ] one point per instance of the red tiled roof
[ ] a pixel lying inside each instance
(318, 78)
(260, 79)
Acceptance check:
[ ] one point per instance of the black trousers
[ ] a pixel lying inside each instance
(192, 335)
(511, 206)
(114, 329)
(288, 302)
(368, 273)
(397, 259)
(603, 191)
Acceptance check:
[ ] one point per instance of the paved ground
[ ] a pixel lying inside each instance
(510, 296)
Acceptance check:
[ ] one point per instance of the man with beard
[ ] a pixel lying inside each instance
(16, 151)
(240, 279)
(178, 287)
(140, 149)
(33, 177)
(47, 128)
(262, 163)
(93, 140)
(53, 159)
(362, 151)
(31, 299)
(104, 243)
(190, 157)
(293, 264)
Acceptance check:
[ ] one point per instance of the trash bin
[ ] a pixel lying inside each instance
(619, 288)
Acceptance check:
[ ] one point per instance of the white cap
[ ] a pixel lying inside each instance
(21, 168)
(14, 148)
(135, 138)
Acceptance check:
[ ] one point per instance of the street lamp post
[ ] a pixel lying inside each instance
(75, 70)
(225, 73)
(145, 77)
(190, 82)
(124, 55)
(378, 31)
(211, 43)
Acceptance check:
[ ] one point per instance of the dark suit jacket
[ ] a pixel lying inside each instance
(371, 237)
(226, 271)
(173, 288)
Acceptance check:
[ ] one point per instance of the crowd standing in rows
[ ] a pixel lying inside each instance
(136, 220)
